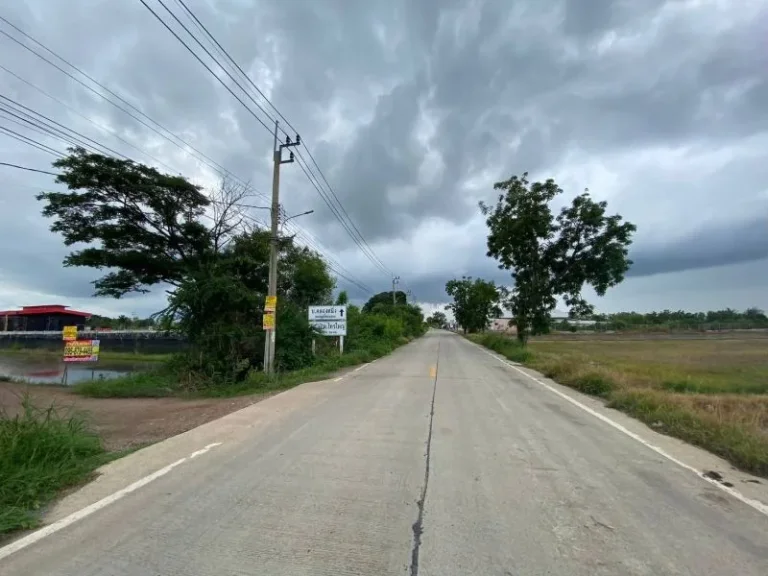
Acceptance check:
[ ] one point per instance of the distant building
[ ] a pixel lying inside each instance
(571, 322)
(505, 325)
(48, 317)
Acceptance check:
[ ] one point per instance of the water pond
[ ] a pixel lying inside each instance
(50, 369)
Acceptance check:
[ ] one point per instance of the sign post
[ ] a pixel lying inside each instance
(330, 321)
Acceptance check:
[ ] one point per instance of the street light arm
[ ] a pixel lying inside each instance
(297, 215)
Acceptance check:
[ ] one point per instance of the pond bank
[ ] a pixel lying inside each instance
(47, 367)
(125, 423)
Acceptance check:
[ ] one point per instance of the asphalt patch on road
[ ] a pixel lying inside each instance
(717, 477)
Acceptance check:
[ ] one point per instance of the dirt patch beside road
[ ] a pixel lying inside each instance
(127, 422)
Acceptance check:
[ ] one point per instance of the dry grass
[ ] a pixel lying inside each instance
(712, 393)
(692, 366)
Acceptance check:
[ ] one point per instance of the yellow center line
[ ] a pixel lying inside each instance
(433, 371)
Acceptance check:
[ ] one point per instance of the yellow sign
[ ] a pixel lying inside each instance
(82, 351)
(268, 321)
(69, 333)
(271, 304)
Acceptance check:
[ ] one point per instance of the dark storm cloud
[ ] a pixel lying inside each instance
(529, 87)
(709, 246)
(413, 109)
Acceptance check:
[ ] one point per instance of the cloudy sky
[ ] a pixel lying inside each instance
(413, 110)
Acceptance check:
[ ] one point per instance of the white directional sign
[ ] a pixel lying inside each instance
(326, 313)
(330, 328)
(329, 320)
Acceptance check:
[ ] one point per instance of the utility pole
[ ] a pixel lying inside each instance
(277, 160)
(395, 282)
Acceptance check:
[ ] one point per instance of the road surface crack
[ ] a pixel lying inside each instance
(418, 525)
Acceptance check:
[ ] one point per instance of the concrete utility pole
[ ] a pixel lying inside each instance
(277, 159)
(395, 282)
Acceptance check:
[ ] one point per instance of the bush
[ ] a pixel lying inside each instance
(41, 452)
(594, 384)
(507, 347)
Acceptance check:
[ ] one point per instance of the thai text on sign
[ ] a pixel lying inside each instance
(81, 351)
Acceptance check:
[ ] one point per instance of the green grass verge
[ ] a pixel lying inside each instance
(260, 382)
(156, 383)
(725, 416)
(163, 381)
(42, 452)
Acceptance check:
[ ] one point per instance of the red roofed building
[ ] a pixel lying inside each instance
(41, 318)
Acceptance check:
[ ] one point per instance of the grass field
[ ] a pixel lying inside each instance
(710, 392)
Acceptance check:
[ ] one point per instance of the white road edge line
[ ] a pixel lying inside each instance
(38, 535)
(339, 378)
(197, 453)
(756, 504)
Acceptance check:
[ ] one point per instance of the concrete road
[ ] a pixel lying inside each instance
(438, 460)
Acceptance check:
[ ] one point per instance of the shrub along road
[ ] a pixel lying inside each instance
(436, 460)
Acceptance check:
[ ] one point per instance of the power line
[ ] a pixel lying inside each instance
(200, 156)
(353, 231)
(77, 140)
(31, 142)
(360, 239)
(172, 31)
(223, 51)
(29, 126)
(315, 244)
(27, 168)
(99, 126)
(210, 163)
(311, 177)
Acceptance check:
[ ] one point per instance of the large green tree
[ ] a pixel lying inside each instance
(220, 306)
(385, 298)
(475, 302)
(141, 225)
(147, 228)
(438, 320)
(553, 256)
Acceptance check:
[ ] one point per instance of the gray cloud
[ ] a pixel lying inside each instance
(707, 247)
(414, 109)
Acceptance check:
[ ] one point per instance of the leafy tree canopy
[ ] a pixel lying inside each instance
(385, 298)
(550, 255)
(438, 320)
(475, 301)
(147, 228)
(220, 305)
(136, 221)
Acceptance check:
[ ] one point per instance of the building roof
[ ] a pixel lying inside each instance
(43, 309)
